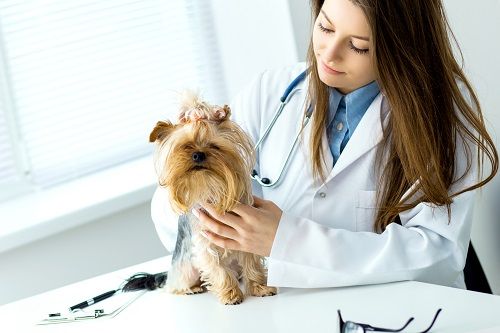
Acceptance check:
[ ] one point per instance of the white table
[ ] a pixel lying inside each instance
(292, 310)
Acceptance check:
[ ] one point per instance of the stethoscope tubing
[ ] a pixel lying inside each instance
(264, 181)
(270, 126)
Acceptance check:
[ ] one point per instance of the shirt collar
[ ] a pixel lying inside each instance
(356, 102)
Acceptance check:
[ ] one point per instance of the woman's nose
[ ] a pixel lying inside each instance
(333, 51)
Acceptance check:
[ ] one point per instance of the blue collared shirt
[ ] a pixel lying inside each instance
(345, 114)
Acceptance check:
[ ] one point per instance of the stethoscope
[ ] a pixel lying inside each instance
(264, 181)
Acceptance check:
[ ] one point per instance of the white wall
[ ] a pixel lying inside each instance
(476, 25)
(300, 15)
(253, 36)
(95, 248)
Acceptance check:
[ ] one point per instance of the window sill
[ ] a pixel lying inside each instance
(38, 215)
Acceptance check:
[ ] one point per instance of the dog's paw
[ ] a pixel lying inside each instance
(189, 291)
(196, 290)
(231, 297)
(260, 290)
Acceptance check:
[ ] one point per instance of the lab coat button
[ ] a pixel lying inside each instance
(340, 126)
(322, 194)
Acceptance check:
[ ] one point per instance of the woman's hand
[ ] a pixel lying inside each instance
(246, 228)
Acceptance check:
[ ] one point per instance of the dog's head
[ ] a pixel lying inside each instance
(204, 157)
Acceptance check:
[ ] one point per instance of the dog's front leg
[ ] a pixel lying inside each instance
(183, 276)
(219, 278)
(254, 275)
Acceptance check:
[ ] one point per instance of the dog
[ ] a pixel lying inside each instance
(206, 158)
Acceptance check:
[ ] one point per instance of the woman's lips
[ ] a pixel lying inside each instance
(330, 70)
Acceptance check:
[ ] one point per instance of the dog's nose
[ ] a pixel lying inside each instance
(198, 156)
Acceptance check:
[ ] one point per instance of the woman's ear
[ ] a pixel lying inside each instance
(161, 131)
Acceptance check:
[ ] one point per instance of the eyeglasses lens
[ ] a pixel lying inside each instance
(350, 327)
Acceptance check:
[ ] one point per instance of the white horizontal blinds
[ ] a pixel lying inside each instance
(91, 78)
(8, 171)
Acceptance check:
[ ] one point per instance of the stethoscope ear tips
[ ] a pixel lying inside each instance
(254, 173)
(266, 181)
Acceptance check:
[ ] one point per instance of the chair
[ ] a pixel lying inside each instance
(475, 279)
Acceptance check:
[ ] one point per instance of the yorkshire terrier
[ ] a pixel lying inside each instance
(206, 159)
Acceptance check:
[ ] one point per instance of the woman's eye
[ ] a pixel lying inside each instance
(351, 45)
(325, 30)
(357, 50)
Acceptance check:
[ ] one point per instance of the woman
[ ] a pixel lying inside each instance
(381, 185)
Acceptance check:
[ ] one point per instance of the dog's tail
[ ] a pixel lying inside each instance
(142, 281)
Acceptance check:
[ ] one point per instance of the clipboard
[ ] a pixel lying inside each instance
(109, 308)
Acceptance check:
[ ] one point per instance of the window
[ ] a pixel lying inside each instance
(7, 167)
(83, 82)
(8, 170)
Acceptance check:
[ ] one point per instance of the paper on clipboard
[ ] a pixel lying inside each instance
(108, 308)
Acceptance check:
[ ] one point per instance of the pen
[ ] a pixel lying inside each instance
(93, 300)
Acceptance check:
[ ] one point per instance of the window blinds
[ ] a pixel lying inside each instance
(8, 172)
(91, 78)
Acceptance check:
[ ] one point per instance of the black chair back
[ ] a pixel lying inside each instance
(475, 279)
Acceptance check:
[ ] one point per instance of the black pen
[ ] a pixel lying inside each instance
(93, 300)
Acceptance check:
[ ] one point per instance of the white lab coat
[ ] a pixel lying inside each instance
(325, 237)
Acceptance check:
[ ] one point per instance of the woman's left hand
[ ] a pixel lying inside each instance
(246, 228)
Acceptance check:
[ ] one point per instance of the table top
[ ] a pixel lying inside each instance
(292, 310)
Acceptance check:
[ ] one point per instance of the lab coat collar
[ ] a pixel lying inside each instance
(366, 136)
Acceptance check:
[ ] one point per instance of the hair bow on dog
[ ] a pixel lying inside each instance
(194, 109)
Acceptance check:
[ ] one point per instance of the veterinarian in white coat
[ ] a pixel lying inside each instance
(321, 234)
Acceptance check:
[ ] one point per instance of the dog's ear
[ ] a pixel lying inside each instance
(161, 131)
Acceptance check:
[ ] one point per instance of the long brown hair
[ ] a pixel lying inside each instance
(419, 76)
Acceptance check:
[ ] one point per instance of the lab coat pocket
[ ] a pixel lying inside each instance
(365, 210)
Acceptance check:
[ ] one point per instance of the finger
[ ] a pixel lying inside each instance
(258, 202)
(225, 243)
(225, 218)
(242, 209)
(210, 211)
(215, 226)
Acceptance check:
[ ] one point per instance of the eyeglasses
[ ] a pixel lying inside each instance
(352, 327)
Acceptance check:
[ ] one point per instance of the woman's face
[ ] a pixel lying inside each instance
(342, 45)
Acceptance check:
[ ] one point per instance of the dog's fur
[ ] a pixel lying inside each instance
(207, 158)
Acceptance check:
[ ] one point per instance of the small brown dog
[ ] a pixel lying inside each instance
(206, 158)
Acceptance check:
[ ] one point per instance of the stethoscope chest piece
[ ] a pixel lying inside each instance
(264, 181)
